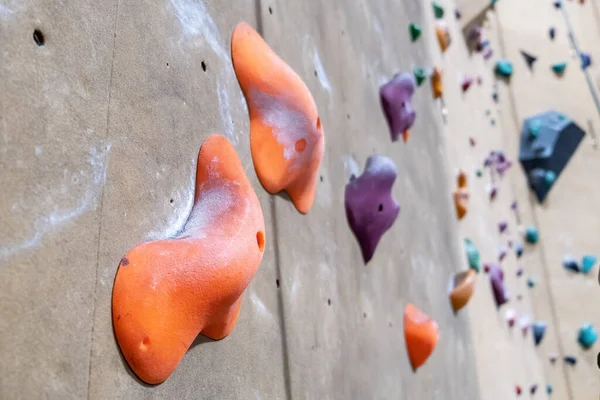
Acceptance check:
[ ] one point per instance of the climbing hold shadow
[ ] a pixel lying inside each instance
(436, 83)
(539, 331)
(286, 136)
(497, 282)
(461, 289)
(587, 336)
(472, 255)
(168, 291)
(396, 102)
(421, 334)
(443, 35)
(461, 196)
(370, 208)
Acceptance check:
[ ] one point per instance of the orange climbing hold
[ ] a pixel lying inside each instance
(443, 35)
(462, 285)
(461, 196)
(286, 137)
(421, 335)
(436, 83)
(168, 291)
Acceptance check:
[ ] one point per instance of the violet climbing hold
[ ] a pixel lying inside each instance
(438, 10)
(396, 102)
(533, 388)
(531, 234)
(552, 32)
(539, 331)
(472, 255)
(587, 336)
(420, 75)
(502, 225)
(586, 60)
(529, 58)
(497, 282)
(587, 263)
(519, 271)
(504, 68)
(559, 68)
(370, 208)
(415, 31)
(569, 262)
(502, 253)
(457, 13)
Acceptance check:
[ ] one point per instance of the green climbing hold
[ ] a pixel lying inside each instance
(420, 75)
(533, 128)
(415, 31)
(478, 173)
(587, 263)
(472, 255)
(504, 68)
(438, 10)
(532, 235)
(559, 68)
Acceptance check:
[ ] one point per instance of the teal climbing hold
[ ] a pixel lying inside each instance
(438, 10)
(415, 31)
(530, 282)
(559, 68)
(549, 389)
(533, 128)
(472, 255)
(420, 75)
(532, 235)
(587, 336)
(587, 263)
(504, 68)
(549, 178)
(478, 173)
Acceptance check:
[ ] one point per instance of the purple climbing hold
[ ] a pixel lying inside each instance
(370, 208)
(502, 225)
(501, 253)
(533, 388)
(396, 97)
(457, 13)
(520, 271)
(497, 281)
(552, 32)
(514, 205)
(487, 53)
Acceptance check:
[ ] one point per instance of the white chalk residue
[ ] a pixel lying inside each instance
(321, 74)
(56, 219)
(225, 112)
(259, 307)
(351, 167)
(212, 204)
(380, 165)
(5, 12)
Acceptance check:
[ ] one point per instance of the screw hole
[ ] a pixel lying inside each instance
(38, 37)
(270, 10)
(277, 283)
(364, 315)
(260, 240)
(167, 64)
(328, 302)
(171, 201)
(145, 344)
(203, 64)
(321, 178)
(380, 207)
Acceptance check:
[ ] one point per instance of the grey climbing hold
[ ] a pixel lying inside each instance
(587, 263)
(529, 58)
(571, 360)
(531, 234)
(569, 262)
(587, 336)
(472, 255)
(559, 67)
(586, 60)
(539, 330)
(504, 68)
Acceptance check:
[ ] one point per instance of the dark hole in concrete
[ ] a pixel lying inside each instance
(203, 64)
(381, 207)
(167, 64)
(321, 178)
(329, 302)
(171, 201)
(365, 315)
(315, 72)
(38, 37)
(270, 10)
(277, 282)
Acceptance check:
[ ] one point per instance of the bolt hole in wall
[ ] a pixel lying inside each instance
(277, 283)
(270, 11)
(380, 207)
(260, 240)
(328, 302)
(203, 64)
(38, 37)
(171, 201)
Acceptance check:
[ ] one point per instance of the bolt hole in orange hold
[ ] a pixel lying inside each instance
(167, 292)
(286, 136)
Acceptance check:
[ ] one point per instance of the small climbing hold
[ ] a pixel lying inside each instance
(478, 173)
(510, 315)
(436, 83)
(438, 10)
(524, 324)
(587, 263)
(486, 267)
(443, 35)
(549, 389)
(415, 31)
(472, 255)
(493, 191)
(396, 102)
(569, 262)
(420, 75)
(531, 234)
(571, 360)
(510, 243)
(539, 330)
(495, 96)
(504, 68)
(462, 285)
(557, 3)
(549, 178)
(497, 282)
(518, 250)
(514, 205)
(472, 142)
(586, 60)
(370, 208)
(487, 53)
(533, 128)
(559, 67)
(533, 388)
(461, 196)
(457, 13)
(552, 32)
(465, 82)
(520, 271)
(530, 282)
(587, 336)
(502, 254)
(493, 122)
(529, 59)
(421, 334)
(502, 225)
(518, 390)
(552, 357)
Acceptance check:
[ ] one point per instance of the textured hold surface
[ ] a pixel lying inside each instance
(539, 331)
(559, 67)
(462, 286)
(286, 137)
(438, 10)
(461, 196)
(443, 35)
(472, 255)
(421, 335)
(415, 31)
(587, 336)
(504, 68)
(497, 282)
(167, 292)
(396, 102)
(529, 58)
(586, 60)
(370, 208)
(437, 85)
(420, 75)
(531, 234)
(587, 263)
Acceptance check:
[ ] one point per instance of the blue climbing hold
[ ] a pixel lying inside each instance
(571, 360)
(539, 330)
(557, 4)
(586, 60)
(532, 235)
(519, 250)
(587, 263)
(570, 263)
(504, 68)
(587, 336)
(559, 67)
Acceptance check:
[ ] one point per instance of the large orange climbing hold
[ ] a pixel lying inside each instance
(462, 285)
(461, 196)
(421, 335)
(168, 291)
(286, 137)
